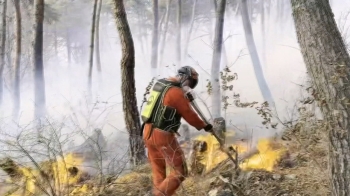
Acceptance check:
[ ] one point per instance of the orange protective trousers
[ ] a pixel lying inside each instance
(163, 148)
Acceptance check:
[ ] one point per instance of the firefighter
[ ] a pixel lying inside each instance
(165, 107)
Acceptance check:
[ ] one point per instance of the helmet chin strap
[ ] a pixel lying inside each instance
(186, 89)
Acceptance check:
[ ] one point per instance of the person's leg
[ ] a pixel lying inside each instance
(157, 162)
(175, 158)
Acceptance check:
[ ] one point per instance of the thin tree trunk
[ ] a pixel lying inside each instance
(161, 21)
(278, 11)
(178, 35)
(140, 28)
(3, 47)
(162, 43)
(210, 28)
(144, 28)
(254, 54)
(91, 56)
(55, 40)
(9, 40)
(283, 16)
(279, 18)
(154, 55)
(39, 78)
(131, 114)
(223, 62)
(328, 64)
(68, 45)
(98, 57)
(268, 14)
(215, 64)
(224, 58)
(250, 9)
(17, 61)
(263, 32)
(190, 29)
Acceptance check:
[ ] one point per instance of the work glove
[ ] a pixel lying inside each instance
(208, 128)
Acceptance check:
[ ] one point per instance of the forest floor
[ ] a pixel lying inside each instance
(301, 171)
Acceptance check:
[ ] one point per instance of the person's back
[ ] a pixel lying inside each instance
(159, 134)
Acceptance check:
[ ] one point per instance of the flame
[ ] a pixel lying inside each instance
(213, 156)
(81, 190)
(60, 170)
(30, 174)
(60, 173)
(269, 153)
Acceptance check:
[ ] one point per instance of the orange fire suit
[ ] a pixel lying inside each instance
(163, 147)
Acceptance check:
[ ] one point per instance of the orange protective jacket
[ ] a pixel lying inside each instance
(163, 147)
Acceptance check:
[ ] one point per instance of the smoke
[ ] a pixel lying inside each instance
(66, 84)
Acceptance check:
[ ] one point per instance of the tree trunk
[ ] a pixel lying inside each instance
(38, 60)
(278, 11)
(263, 32)
(162, 45)
(190, 29)
(215, 64)
(254, 54)
(140, 36)
(328, 63)
(268, 13)
(9, 40)
(91, 56)
(98, 57)
(224, 58)
(2, 49)
(68, 45)
(17, 60)
(144, 37)
(223, 62)
(154, 55)
(131, 114)
(55, 40)
(161, 21)
(178, 35)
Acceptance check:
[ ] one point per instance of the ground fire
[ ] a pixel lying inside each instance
(68, 172)
(264, 156)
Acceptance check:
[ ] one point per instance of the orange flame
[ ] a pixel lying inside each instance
(268, 155)
(60, 174)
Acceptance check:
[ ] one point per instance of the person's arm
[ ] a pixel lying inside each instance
(183, 107)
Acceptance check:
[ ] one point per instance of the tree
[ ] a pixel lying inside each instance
(193, 15)
(2, 49)
(165, 31)
(215, 64)
(39, 79)
(131, 114)
(91, 56)
(328, 64)
(17, 60)
(154, 58)
(97, 42)
(68, 46)
(263, 31)
(178, 35)
(264, 88)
